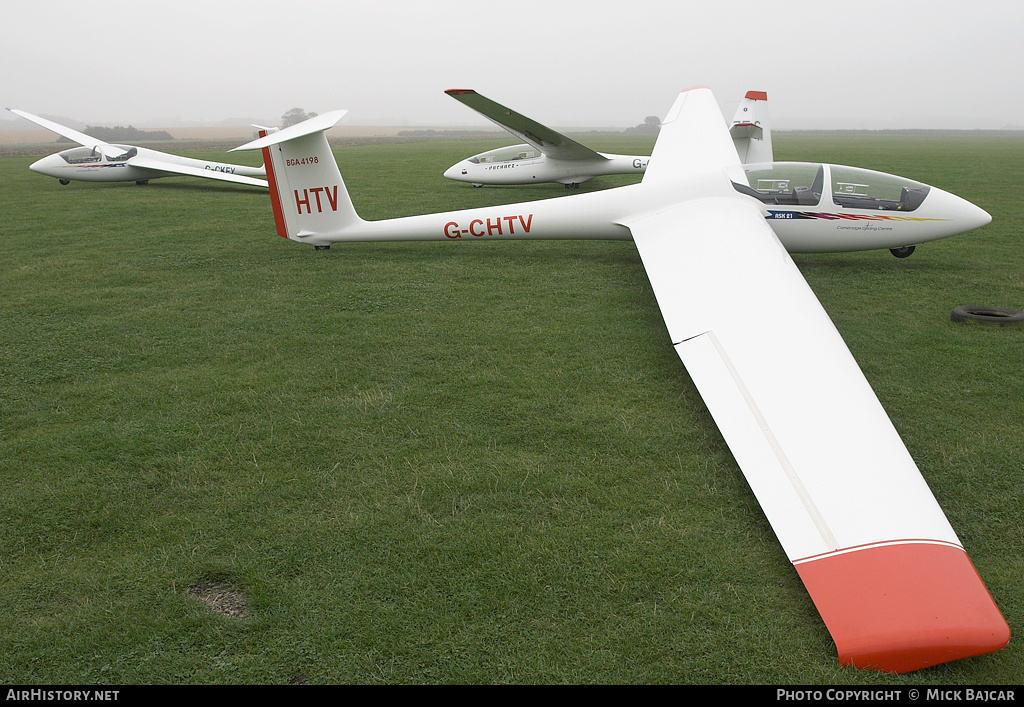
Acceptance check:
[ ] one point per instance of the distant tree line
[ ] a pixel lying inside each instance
(428, 132)
(122, 134)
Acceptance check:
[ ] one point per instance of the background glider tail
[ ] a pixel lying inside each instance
(306, 189)
(751, 130)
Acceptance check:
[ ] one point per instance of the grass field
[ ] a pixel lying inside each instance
(229, 458)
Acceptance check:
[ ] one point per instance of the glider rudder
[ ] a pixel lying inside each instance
(306, 188)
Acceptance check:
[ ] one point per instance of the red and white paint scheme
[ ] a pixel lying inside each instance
(98, 161)
(549, 156)
(849, 505)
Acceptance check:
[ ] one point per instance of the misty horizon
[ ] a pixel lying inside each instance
(879, 66)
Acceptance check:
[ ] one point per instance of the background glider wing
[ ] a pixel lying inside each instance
(102, 147)
(174, 168)
(842, 493)
(550, 142)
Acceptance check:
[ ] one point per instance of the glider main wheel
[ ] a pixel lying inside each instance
(322, 247)
(142, 182)
(65, 182)
(992, 316)
(477, 186)
(903, 252)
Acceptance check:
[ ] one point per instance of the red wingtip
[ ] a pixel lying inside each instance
(459, 91)
(903, 607)
(757, 95)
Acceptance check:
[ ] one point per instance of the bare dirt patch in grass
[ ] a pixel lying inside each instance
(221, 599)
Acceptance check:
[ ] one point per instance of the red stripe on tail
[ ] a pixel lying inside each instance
(275, 195)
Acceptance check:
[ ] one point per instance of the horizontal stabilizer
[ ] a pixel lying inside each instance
(316, 124)
(746, 131)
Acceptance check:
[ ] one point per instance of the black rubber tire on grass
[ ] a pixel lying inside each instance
(992, 316)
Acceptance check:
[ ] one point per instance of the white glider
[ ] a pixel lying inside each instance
(99, 161)
(549, 156)
(888, 574)
(546, 156)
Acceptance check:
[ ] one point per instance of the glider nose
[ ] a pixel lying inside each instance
(965, 215)
(46, 165)
(978, 216)
(456, 172)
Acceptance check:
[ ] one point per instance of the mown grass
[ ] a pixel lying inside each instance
(445, 462)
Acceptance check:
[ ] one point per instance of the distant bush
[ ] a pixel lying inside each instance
(295, 115)
(122, 134)
(650, 126)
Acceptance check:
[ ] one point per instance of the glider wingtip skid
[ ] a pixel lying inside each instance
(904, 606)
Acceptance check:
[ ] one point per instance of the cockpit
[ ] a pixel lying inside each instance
(803, 183)
(91, 155)
(506, 154)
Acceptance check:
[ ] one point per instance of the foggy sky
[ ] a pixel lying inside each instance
(854, 65)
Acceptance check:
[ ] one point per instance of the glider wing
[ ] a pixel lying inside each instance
(843, 495)
(550, 142)
(189, 171)
(102, 147)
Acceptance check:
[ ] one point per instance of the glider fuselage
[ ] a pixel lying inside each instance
(522, 164)
(843, 209)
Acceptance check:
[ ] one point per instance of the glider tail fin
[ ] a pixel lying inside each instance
(306, 188)
(751, 130)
